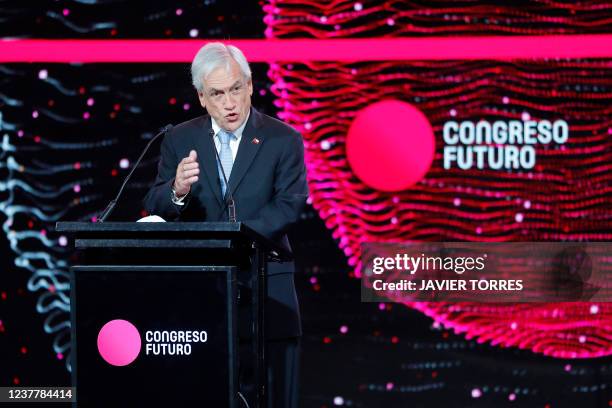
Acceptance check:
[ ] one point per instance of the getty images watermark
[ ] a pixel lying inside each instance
(487, 272)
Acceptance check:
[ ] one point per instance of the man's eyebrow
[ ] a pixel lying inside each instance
(213, 90)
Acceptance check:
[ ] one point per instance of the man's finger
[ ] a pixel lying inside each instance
(190, 166)
(190, 173)
(191, 180)
(193, 155)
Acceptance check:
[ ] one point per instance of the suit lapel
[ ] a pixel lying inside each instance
(247, 150)
(205, 147)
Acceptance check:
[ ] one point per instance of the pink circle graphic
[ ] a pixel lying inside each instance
(390, 145)
(119, 342)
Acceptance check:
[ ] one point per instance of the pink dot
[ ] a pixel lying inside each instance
(568, 367)
(343, 329)
(60, 356)
(478, 230)
(76, 188)
(381, 306)
(519, 217)
(390, 158)
(86, 115)
(505, 100)
(525, 116)
(35, 114)
(390, 22)
(63, 241)
(20, 133)
(457, 202)
(90, 101)
(313, 279)
(119, 342)
(476, 393)
(389, 386)
(179, 12)
(453, 112)
(512, 397)
(65, 12)
(186, 106)
(527, 204)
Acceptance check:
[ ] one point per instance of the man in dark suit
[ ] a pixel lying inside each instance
(263, 160)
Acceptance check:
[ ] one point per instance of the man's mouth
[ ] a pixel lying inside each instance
(231, 117)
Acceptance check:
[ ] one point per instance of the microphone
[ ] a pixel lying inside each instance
(111, 206)
(229, 203)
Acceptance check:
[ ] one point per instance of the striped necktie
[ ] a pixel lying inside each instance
(227, 160)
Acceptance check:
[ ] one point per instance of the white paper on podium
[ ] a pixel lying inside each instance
(152, 218)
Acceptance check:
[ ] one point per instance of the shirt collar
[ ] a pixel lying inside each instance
(238, 132)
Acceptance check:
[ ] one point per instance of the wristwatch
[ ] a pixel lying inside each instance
(176, 199)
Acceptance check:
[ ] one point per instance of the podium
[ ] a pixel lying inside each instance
(154, 311)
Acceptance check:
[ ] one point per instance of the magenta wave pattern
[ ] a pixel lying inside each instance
(565, 197)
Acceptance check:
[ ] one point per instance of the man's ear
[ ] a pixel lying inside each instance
(250, 87)
(202, 99)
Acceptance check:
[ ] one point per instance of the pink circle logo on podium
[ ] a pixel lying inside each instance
(119, 342)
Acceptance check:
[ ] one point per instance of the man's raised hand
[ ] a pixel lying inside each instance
(186, 174)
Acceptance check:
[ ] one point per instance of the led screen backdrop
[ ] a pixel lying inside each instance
(478, 150)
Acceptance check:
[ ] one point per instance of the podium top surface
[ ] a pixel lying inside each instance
(217, 230)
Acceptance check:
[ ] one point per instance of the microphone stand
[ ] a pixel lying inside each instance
(111, 206)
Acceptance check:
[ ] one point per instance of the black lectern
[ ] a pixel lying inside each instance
(154, 311)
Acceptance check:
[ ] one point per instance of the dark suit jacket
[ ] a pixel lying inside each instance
(268, 182)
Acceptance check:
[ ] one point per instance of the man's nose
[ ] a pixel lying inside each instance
(228, 101)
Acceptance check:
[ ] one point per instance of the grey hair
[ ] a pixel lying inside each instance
(212, 56)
